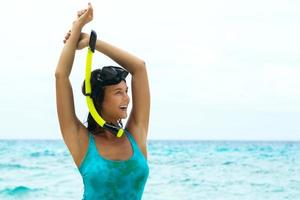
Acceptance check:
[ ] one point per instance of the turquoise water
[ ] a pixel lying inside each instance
(217, 170)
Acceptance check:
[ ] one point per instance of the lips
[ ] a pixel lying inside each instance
(124, 108)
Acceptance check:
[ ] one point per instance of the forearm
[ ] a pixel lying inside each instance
(67, 55)
(130, 62)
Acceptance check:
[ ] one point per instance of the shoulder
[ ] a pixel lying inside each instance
(79, 146)
(139, 136)
(138, 133)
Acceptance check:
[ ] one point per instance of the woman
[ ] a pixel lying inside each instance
(111, 167)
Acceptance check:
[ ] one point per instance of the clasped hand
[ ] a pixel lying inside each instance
(83, 17)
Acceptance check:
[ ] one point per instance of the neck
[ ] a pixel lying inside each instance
(109, 136)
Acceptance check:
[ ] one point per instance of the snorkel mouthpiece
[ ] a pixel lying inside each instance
(111, 128)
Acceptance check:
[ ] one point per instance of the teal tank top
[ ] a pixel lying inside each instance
(112, 179)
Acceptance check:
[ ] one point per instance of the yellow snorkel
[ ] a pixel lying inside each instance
(91, 49)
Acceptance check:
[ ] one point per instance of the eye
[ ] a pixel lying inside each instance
(120, 91)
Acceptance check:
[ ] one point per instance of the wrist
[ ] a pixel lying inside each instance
(77, 25)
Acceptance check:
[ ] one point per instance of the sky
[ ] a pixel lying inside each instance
(218, 70)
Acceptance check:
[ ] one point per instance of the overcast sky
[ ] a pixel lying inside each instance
(227, 70)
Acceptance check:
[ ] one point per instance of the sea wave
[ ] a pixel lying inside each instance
(9, 166)
(18, 190)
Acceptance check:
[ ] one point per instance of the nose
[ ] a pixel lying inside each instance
(127, 98)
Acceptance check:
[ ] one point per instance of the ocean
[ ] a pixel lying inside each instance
(191, 170)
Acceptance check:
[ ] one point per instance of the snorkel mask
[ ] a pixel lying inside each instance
(109, 75)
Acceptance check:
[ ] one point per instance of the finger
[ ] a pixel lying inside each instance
(88, 12)
(79, 13)
(82, 12)
(90, 8)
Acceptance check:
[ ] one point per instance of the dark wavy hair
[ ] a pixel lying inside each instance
(97, 95)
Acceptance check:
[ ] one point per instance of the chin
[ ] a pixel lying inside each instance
(124, 117)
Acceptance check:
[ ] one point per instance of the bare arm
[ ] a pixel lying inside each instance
(69, 123)
(67, 55)
(138, 121)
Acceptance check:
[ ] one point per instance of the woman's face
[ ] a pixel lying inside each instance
(114, 99)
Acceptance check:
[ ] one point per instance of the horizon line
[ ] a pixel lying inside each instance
(192, 140)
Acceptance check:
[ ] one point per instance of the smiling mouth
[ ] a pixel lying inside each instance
(123, 108)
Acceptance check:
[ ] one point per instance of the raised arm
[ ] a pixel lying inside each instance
(69, 123)
(138, 121)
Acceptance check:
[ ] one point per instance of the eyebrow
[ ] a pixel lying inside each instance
(120, 88)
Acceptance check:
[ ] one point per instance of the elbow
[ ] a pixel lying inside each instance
(139, 63)
(139, 66)
(57, 74)
(143, 63)
(60, 75)
(142, 67)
